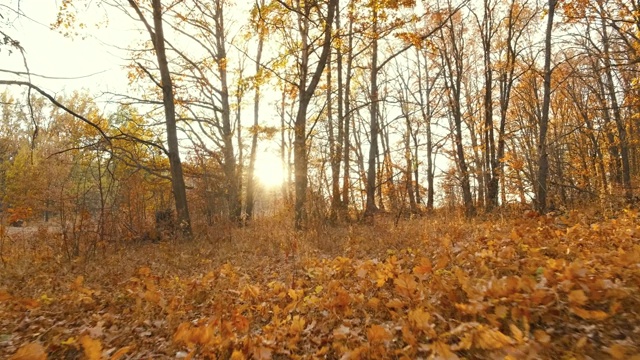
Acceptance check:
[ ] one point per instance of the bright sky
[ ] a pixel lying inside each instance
(51, 54)
(94, 63)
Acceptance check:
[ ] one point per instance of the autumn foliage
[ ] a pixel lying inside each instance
(529, 287)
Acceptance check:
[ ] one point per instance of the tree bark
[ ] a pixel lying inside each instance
(371, 207)
(177, 177)
(250, 201)
(543, 156)
(305, 95)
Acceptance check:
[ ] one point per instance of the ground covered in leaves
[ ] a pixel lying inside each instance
(534, 287)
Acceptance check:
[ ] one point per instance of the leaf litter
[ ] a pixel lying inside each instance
(541, 287)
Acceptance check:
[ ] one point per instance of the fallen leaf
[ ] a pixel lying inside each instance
(31, 351)
(92, 348)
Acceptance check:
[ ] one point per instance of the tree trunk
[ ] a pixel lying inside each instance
(250, 202)
(177, 178)
(371, 208)
(335, 150)
(620, 126)
(305, 95)
(543, 156)
(346, 179)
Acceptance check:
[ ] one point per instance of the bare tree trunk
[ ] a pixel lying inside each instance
(490, 163)
(347, 112)
(543, 160)
(622, 131)
(250, 202)
(371, 207)
(230, 167)
(177, 178)
(409, 161)
(335, 150)
(305, 95)
(453, 62)
(285, 156)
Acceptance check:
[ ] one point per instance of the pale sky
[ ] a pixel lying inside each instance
(52, 54)
(94, 63)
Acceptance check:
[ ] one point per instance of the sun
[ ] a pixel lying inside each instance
(269, 171)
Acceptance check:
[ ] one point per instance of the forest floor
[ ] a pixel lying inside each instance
(526, 287)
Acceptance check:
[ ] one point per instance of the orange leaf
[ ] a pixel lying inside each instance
(405, 284)
(423, 268)
(577, 297)
(542, 336)
(490, 339)
(378, 334)
(394, 304)
(120, 353)
(31, 351)
(618, 351)
(262, 353)
(92, 348)
(501, 311)
(237, 355)
(419, 319)
(588, 314)
(144, 271)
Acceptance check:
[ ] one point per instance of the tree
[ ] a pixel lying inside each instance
(156, 33)
(543, 155)
(308, 77)
(452, 57)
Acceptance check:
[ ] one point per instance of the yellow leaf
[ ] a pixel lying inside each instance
(441, 350)
(578, 297)
(31, 351)
(490, 339)
(297, 325)
(517, 333)
(69, 341)
(419, 319)
(92, 348)
(250, 292)
(120, 353)
(294, 295)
